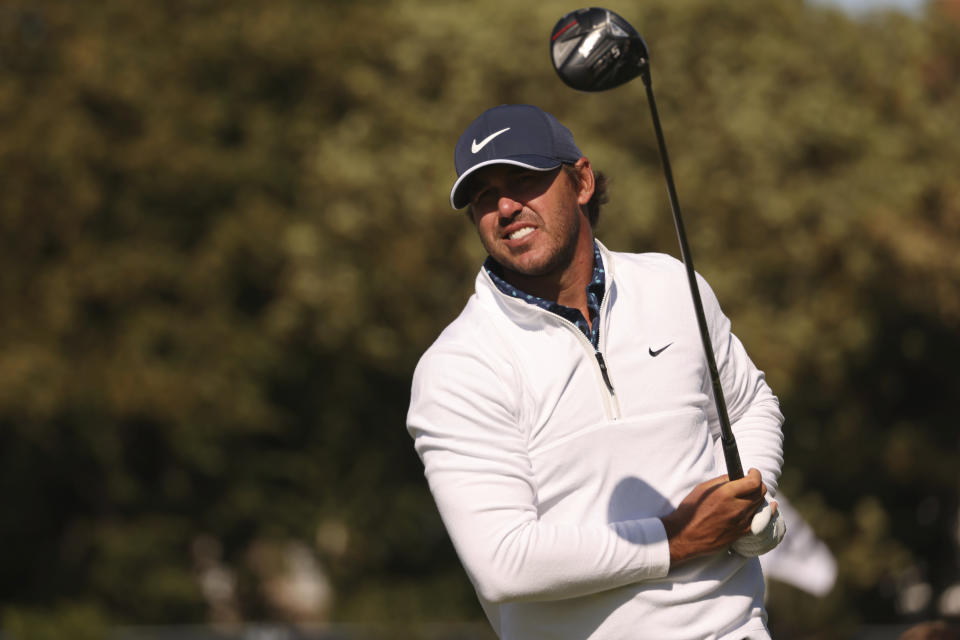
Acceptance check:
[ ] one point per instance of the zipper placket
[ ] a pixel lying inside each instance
(601, 314)
(611, 404)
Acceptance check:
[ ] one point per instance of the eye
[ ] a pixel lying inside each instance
(483, 199)
(532, 180)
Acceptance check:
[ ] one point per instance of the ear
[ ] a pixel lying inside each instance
(586, 181)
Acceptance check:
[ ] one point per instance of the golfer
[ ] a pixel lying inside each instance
(566, 423)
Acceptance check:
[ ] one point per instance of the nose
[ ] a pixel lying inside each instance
(508, 207)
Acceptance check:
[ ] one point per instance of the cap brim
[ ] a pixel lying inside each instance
(458, 196)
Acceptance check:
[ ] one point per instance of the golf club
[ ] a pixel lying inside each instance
(595, 50)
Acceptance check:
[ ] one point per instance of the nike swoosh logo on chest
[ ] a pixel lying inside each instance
(658, 351)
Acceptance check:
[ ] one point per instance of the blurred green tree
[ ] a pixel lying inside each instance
(224, 242)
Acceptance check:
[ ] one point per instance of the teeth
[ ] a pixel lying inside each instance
(521, 233)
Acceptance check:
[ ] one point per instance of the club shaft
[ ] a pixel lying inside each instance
(729, 443)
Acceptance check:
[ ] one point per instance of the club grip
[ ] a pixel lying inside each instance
(732, 456)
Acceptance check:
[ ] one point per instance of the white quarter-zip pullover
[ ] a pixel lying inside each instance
(551, 483)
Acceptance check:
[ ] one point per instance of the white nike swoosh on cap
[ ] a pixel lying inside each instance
(476, 147)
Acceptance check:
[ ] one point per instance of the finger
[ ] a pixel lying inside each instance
(714, 481)
(749, 484)
(755, 475)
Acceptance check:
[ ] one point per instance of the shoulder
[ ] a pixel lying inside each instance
(646, 269)
(651, 261)
(651, 266)
(467, 371)
(470, 345)
(662, 277)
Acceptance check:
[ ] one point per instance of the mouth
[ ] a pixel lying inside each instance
(520, 233)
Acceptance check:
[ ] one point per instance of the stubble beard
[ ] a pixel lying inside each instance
(558, 259)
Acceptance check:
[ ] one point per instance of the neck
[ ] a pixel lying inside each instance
(567, 285)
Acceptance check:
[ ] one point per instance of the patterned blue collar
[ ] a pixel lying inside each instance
(594, 296)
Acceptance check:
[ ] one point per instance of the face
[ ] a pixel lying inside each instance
(529, 221)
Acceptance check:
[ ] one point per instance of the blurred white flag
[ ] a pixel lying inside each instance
(801, 559)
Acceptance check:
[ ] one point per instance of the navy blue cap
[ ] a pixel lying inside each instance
(517, 134)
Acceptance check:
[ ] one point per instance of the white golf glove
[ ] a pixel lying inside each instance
(766, 532)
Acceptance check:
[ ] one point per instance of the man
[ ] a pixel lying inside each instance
(565, 418)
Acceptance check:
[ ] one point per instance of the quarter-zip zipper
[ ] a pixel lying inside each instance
(598, 352)
(611, 403)
(603, 371)
(610, 394)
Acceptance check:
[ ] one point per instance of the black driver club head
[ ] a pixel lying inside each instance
(595, 49)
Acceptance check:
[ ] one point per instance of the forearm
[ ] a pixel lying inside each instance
(753, 409)
(757, 428)
(512, 555)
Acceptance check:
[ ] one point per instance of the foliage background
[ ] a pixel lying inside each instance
(225, 241)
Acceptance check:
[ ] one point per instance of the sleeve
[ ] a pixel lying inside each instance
(754, 410)
(464, 421)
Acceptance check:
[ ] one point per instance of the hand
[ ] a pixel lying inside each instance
(713, 516)
(766, 531)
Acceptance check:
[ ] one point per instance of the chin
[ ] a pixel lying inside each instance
(533, 269)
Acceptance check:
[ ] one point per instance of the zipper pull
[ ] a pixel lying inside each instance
(603, 371)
